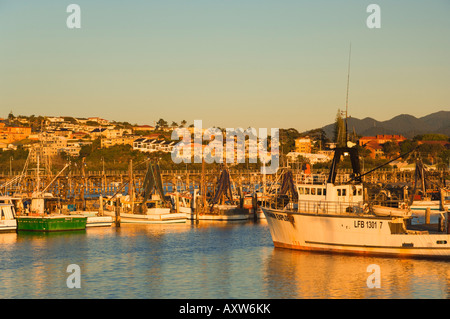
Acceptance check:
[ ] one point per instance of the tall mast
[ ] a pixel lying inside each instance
(37, 173)
(346, 99)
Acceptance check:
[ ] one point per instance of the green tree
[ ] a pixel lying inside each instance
(161, 123)
(391, 149)
(444, 159)
(431, 137)
(430, 152)
(287, 139)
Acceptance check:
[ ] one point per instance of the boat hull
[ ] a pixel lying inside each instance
(155, 217)
(421, 206)
(99, 221)
(93, 219)
(8, 225)
(366, 235)
(51, 223)
(224, 213)
(234, 214)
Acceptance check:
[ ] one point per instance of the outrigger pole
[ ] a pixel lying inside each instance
(374, 169)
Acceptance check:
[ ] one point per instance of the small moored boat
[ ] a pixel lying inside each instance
(8, 222)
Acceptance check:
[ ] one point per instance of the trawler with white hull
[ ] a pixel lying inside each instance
(335, 218)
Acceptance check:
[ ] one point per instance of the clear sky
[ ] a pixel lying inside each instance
(230, 63)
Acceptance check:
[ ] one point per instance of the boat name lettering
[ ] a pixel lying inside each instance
(371, 224)
(285, 217)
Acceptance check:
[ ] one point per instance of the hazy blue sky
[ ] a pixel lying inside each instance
(230, 63)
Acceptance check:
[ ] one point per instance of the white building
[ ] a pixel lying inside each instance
(153, 145)
(312, 158)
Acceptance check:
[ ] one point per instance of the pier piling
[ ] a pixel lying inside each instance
(427, 215)
(117, 221)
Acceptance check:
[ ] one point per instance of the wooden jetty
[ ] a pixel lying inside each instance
(82, 185)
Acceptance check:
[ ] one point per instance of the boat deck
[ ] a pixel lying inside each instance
(425, 228)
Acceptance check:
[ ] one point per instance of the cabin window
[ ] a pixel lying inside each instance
(324, 192)
(306, 191)
(339, 192)
(301, 190)
(313, 191)
(354, 192)
(319, 191)
(359, 192)
(344, 192)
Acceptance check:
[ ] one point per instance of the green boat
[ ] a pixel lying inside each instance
(51, 223)
(40, 219)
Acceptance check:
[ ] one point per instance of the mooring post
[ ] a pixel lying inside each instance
(117, 213)
(442, 200)
(100, 208)
(427, 215)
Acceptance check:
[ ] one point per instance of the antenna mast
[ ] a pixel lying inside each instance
(346, 99)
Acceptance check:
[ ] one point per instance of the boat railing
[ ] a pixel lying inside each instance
(392, 203)
(313, 179)
(320, 207)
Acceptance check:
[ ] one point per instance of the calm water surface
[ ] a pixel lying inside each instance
(206, 260)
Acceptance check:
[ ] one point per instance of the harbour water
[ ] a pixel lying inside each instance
(208, 260)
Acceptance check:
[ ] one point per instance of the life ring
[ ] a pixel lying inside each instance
(402, 206)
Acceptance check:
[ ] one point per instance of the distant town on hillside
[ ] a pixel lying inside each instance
(102, 144)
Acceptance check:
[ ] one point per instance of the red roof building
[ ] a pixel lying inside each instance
(381, 139)
(374, 143)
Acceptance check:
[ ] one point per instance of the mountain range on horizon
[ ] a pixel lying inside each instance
(403, 124)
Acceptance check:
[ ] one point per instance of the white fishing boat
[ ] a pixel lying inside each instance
(150, 209)
(221, 206)
(429, 199)
(152, 216)
(219, 212)
(8, 222)
(334, 218)
(153, 211)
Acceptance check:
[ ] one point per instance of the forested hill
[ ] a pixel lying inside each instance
(404, 124)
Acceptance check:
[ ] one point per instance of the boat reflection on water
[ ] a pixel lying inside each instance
(303, 274)
(201, 260)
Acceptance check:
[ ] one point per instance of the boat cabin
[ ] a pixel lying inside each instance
(330, 192)
(16, 202)
(7, 211)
